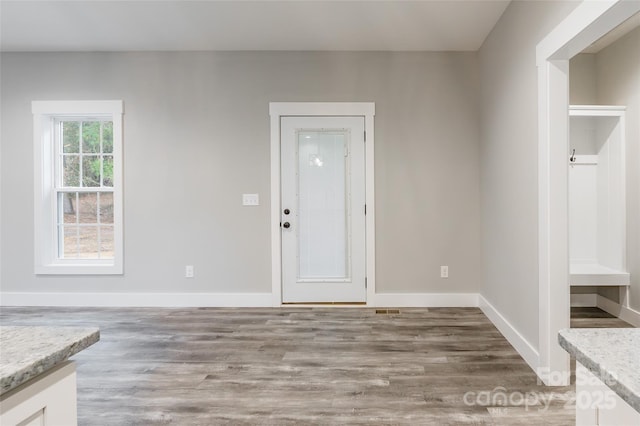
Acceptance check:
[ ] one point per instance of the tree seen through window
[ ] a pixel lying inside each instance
(86, 216)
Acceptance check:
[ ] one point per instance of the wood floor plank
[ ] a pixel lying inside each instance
(298, 365)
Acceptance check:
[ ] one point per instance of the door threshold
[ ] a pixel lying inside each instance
(324, 303)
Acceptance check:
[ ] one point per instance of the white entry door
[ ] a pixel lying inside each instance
(323, 209)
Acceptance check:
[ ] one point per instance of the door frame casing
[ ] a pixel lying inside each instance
(277, 110)
(589, 21)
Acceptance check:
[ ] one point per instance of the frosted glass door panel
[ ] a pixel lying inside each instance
(323, 249)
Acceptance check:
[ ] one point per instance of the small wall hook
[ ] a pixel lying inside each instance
(573, 156)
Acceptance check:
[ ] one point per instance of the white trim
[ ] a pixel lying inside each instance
(587, 23)
(370, 200)
(553, 225)
(75, 107)
(608, 305)
(46, 261)
(597, 110)
(276, 236)
(360, 109)
(629, 315)
(625, 313)
(517, 340)
(321, 108)
(584, 300)
(338, 305)
(426, 300)
(168, 300)
(406, 300)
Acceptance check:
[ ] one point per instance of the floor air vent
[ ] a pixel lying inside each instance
(388, 311)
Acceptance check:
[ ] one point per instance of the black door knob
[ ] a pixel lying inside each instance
(286, 225)
(287, 211)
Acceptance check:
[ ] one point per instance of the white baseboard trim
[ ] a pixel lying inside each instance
(168, 300)
(519, 343)
(425, 300)
(608, 305)
(239, 300)
(584, 300)
(625, 313)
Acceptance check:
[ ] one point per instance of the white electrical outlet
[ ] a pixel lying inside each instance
(250, 200)
(188, 271)
(444, 272)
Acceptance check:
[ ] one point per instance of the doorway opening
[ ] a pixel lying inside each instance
(586, 24)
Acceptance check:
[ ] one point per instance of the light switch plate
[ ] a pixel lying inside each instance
(444, 271)
(189, 272)
(250, 200)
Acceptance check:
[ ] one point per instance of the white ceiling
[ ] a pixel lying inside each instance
(400, 25)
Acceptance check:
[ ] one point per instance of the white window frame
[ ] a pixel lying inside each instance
(47, 261)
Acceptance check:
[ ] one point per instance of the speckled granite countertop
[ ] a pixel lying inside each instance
(26, 352)
(611, 354)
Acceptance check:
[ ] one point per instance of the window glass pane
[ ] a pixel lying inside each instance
(88, 242)
(90, 136)
(82, 242)
(107, 137)
(106, 207)
(70, 136)
(107, 164)
(91, 170)
(88, 207)
(322, 218)
(67, 202)
(71, 172)
(70, 243)
(106, 242)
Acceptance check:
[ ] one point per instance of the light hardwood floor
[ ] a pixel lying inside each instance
(303, 366)
(595, 318)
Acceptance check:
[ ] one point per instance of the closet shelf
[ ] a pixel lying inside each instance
(593, 274)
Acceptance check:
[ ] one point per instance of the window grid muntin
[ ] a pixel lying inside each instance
(60, 188)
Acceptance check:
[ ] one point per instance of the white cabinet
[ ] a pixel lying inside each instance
(46, 400)
(597, 206)
(597, 404)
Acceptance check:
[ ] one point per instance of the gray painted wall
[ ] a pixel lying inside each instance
(197, 137)
(509, 160)
(582, 79)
